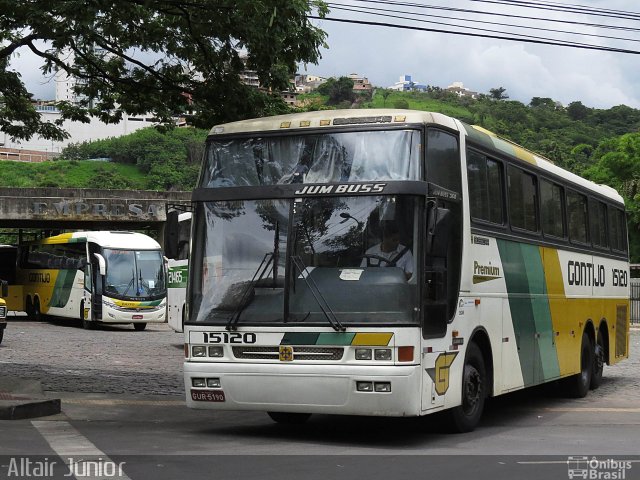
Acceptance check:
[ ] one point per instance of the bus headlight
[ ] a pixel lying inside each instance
(363, 354)
(216, 352)
(213, 382)
(382, 354)
(198, 382)
(364, 386)
(382, 386)
(198, 351)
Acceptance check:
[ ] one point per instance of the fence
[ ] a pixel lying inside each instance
(635, 301)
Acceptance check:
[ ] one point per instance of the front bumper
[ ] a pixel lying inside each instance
(118, 315)
(306, 388)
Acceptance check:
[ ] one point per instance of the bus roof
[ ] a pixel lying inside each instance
(107, 239)
(328, 118)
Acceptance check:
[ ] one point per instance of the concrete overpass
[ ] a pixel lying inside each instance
(55, 209)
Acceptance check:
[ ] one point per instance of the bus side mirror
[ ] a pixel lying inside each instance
(5, 289)
(171, 234)
(102, 265)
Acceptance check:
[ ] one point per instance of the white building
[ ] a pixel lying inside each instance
(459, 89)
(78, 132)
(406, 84)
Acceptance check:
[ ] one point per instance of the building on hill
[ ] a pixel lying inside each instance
(307, 83)
(459, 89)
(406, 84)
(360, 84)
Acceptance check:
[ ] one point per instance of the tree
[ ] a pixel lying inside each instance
(338, 90)
(498, 93)
(577, 111)
(155, 56)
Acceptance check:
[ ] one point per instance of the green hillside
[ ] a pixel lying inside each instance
(73, 174)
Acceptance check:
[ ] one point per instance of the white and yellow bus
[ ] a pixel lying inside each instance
(102, 276)
(396, 263)
(177, 253)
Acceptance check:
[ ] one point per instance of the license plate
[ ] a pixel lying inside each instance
(207, 396)
(137, 317)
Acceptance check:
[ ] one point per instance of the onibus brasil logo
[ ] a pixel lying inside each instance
(593, 468)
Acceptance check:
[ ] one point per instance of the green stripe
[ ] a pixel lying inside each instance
(299, 338)
(307, 338)
(62, 288)
(335, 338)
(530, 313)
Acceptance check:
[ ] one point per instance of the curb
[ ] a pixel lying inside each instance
(28, 408)
(22, 398)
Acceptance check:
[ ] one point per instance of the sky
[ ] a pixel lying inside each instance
(383, 54)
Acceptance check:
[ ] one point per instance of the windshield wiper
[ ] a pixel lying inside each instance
(259, 273)
(133, 278)
(317, 294)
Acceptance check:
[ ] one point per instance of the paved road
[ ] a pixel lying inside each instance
(122, 398)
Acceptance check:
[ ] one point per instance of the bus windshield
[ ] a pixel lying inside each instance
(134, 273)
(313, 158)
(346, 258)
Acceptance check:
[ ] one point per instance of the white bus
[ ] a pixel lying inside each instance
(396, 263)
(178, 270)
(104, 276)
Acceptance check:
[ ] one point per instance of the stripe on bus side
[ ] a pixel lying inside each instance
(62, 288)
(530, 311)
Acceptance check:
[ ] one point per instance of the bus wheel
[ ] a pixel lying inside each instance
(37, 315)
(138, 327)
(28, 308)
(1, 334)
(577, 386)
(466, 417)
(598, 363)
(87, 324)
(289, 418)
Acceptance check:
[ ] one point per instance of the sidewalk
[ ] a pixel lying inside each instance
(22, 398)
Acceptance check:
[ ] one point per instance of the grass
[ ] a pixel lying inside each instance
(419, 101)
(71, 174)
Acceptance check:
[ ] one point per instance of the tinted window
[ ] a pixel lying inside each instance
(522, 199)
(552, 211)
(577, 217)
(443, 160)
(598, 221)
(485, 188)
(618, 227)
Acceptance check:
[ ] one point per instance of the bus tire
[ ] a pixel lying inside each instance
(37, 314)
(577, 386)
(287, 418)
(139, 327)
(598, 363)
(28, 308)
(1, 334)
(87, 324)
(465, 417)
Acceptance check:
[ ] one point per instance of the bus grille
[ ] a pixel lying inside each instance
(621, 331)
(3, 312)
(299, 353)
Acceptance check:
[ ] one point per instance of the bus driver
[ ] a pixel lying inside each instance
(390, 252)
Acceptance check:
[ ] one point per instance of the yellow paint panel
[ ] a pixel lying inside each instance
(569, 315)
(372, 339)
(525, 155)
(62, 238)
